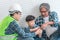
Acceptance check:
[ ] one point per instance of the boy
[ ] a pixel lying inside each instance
(33, 28)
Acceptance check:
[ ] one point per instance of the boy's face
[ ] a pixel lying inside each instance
(31, 23)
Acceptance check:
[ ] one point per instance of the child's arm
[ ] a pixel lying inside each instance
(34, 29)
(40, 32)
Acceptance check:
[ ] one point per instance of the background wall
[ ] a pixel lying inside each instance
(29, 7)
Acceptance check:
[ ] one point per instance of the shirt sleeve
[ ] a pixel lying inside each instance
(55, 18)
(20, 31)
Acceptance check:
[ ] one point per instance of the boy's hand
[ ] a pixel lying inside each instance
(38, 32)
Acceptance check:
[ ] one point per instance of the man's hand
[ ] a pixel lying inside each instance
(50, 23)
(43, 26)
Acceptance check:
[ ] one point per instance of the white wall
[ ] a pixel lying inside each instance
(29, 7)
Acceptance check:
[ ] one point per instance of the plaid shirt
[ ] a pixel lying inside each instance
(52, 17)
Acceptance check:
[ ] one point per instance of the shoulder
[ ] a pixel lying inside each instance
(13, 22)
(53, 13)
(39, 18)
(26, 29)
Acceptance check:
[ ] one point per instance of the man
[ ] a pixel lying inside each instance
(48, 21)
(10, 26)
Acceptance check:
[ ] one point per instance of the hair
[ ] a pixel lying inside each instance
(14, 13)
(29, 18)
(47, 6)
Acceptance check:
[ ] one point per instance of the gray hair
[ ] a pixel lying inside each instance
(46, 5)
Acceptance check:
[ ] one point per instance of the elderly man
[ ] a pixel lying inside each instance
(48, 21)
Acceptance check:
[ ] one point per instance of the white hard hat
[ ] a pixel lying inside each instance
(15, 7)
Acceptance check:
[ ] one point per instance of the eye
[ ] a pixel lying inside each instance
(43, 11)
